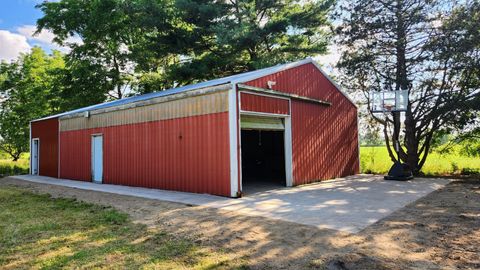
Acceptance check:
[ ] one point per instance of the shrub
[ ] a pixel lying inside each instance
(454, 166)
(12, 169)
(470, 171)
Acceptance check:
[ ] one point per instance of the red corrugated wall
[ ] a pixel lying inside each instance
(259, 103)
(185, 154)
(325, 138)
(47, 132)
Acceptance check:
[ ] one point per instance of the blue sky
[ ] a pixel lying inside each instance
(14, 13)
(17, 24)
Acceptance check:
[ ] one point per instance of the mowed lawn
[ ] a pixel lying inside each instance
(37, 231)
(375, 159)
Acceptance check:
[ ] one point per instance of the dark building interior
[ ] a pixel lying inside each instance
(263, 160)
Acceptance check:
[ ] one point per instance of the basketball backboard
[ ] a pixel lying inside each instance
(388, 101)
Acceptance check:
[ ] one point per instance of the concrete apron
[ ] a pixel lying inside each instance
(346, 204)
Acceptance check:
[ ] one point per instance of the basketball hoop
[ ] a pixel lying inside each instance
(388, 101)
(392, 102)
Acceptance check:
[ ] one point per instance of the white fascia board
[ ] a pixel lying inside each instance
(272, 70)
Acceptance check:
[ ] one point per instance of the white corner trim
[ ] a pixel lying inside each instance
(233, 131)
(288, 152)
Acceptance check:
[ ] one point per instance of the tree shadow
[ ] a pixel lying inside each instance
(439, 230)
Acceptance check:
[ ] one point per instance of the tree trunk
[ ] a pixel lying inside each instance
(411, 141)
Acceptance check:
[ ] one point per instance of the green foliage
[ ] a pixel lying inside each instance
(31, 89)
(376, 160)
(40, 232)
(245, 35)
(104, 29)
(470, 171)
(471, 148)
(148, 45)
(37, 85)
(9, 167)
(430, 49)
(121, 48)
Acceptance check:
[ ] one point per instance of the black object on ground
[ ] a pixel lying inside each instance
(399, 172)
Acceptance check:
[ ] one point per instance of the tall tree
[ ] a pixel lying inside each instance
(148, 45)
(243, 35)
(429, 48)
(30, 90)
(105, 33)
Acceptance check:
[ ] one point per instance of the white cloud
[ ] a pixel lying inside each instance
(12, 44)
(45, 38)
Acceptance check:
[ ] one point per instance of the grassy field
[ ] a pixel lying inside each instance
(375, 159)
(39, 232)
(9, 167)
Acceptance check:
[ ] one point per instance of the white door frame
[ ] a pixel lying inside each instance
(287, 137)
(34, 160)
(93, 158)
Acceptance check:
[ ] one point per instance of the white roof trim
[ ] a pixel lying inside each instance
(262, 73)
(334, 83)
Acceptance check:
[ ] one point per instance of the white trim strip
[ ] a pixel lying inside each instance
(233, 131)
(262, 94)
(333, 82)
(288, 145)
(263, 114)
(283, 94)
(288, 151)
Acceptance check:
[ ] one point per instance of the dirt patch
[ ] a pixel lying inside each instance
(439, 231)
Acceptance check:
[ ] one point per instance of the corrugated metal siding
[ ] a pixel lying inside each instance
(191, 106)
(47, 132)
(324, 141)
(186, 154)
(325, 138)
(259, 103)
(305, 80)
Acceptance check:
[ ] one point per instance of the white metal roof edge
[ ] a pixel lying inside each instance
(271, 70)
(233, 79)
(334, 83)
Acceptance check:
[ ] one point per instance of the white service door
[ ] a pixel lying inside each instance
(34, 155)
(97, 158)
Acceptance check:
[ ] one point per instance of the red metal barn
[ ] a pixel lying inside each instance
(281, 126)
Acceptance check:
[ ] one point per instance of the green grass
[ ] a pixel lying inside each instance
(375, 159)
(37, 231)
(9, 167)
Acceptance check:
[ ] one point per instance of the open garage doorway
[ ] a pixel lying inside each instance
(263, 155)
